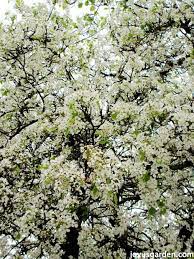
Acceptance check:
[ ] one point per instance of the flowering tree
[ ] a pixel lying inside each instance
(97, 129)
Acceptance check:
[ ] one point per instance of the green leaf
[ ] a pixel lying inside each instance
(162, 206)
(35, 12)
(110, 193)
(161, 203)
(13, 18)
(80, 5)
(72, 208)
(159, 161)
(5, 92)
(18, 236)
(113, 196)
(104, 140)
(92, 8)
(48, 180)
(95, 190)
(192, 54)
(19, 3)
(102, 21)
(163, 211)
(115, 199)
(155, 9)
(38, 38)
(17, 170)
(146, 177)
(114, 116)
(88, 18)
(108, 180)
(92, 32)
(142, 155)
(52, 129)
(43, 167)
(152, 211)
(73, 110)
(135, 133)
(75, 25)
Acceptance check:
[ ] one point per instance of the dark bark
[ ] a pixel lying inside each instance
(71, 247)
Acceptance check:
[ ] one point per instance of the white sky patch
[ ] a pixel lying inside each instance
(8, 5)
(5, 6)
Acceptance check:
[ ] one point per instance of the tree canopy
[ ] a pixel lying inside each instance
(97, 129)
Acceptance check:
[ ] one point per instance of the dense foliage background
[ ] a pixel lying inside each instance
(97, 129)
